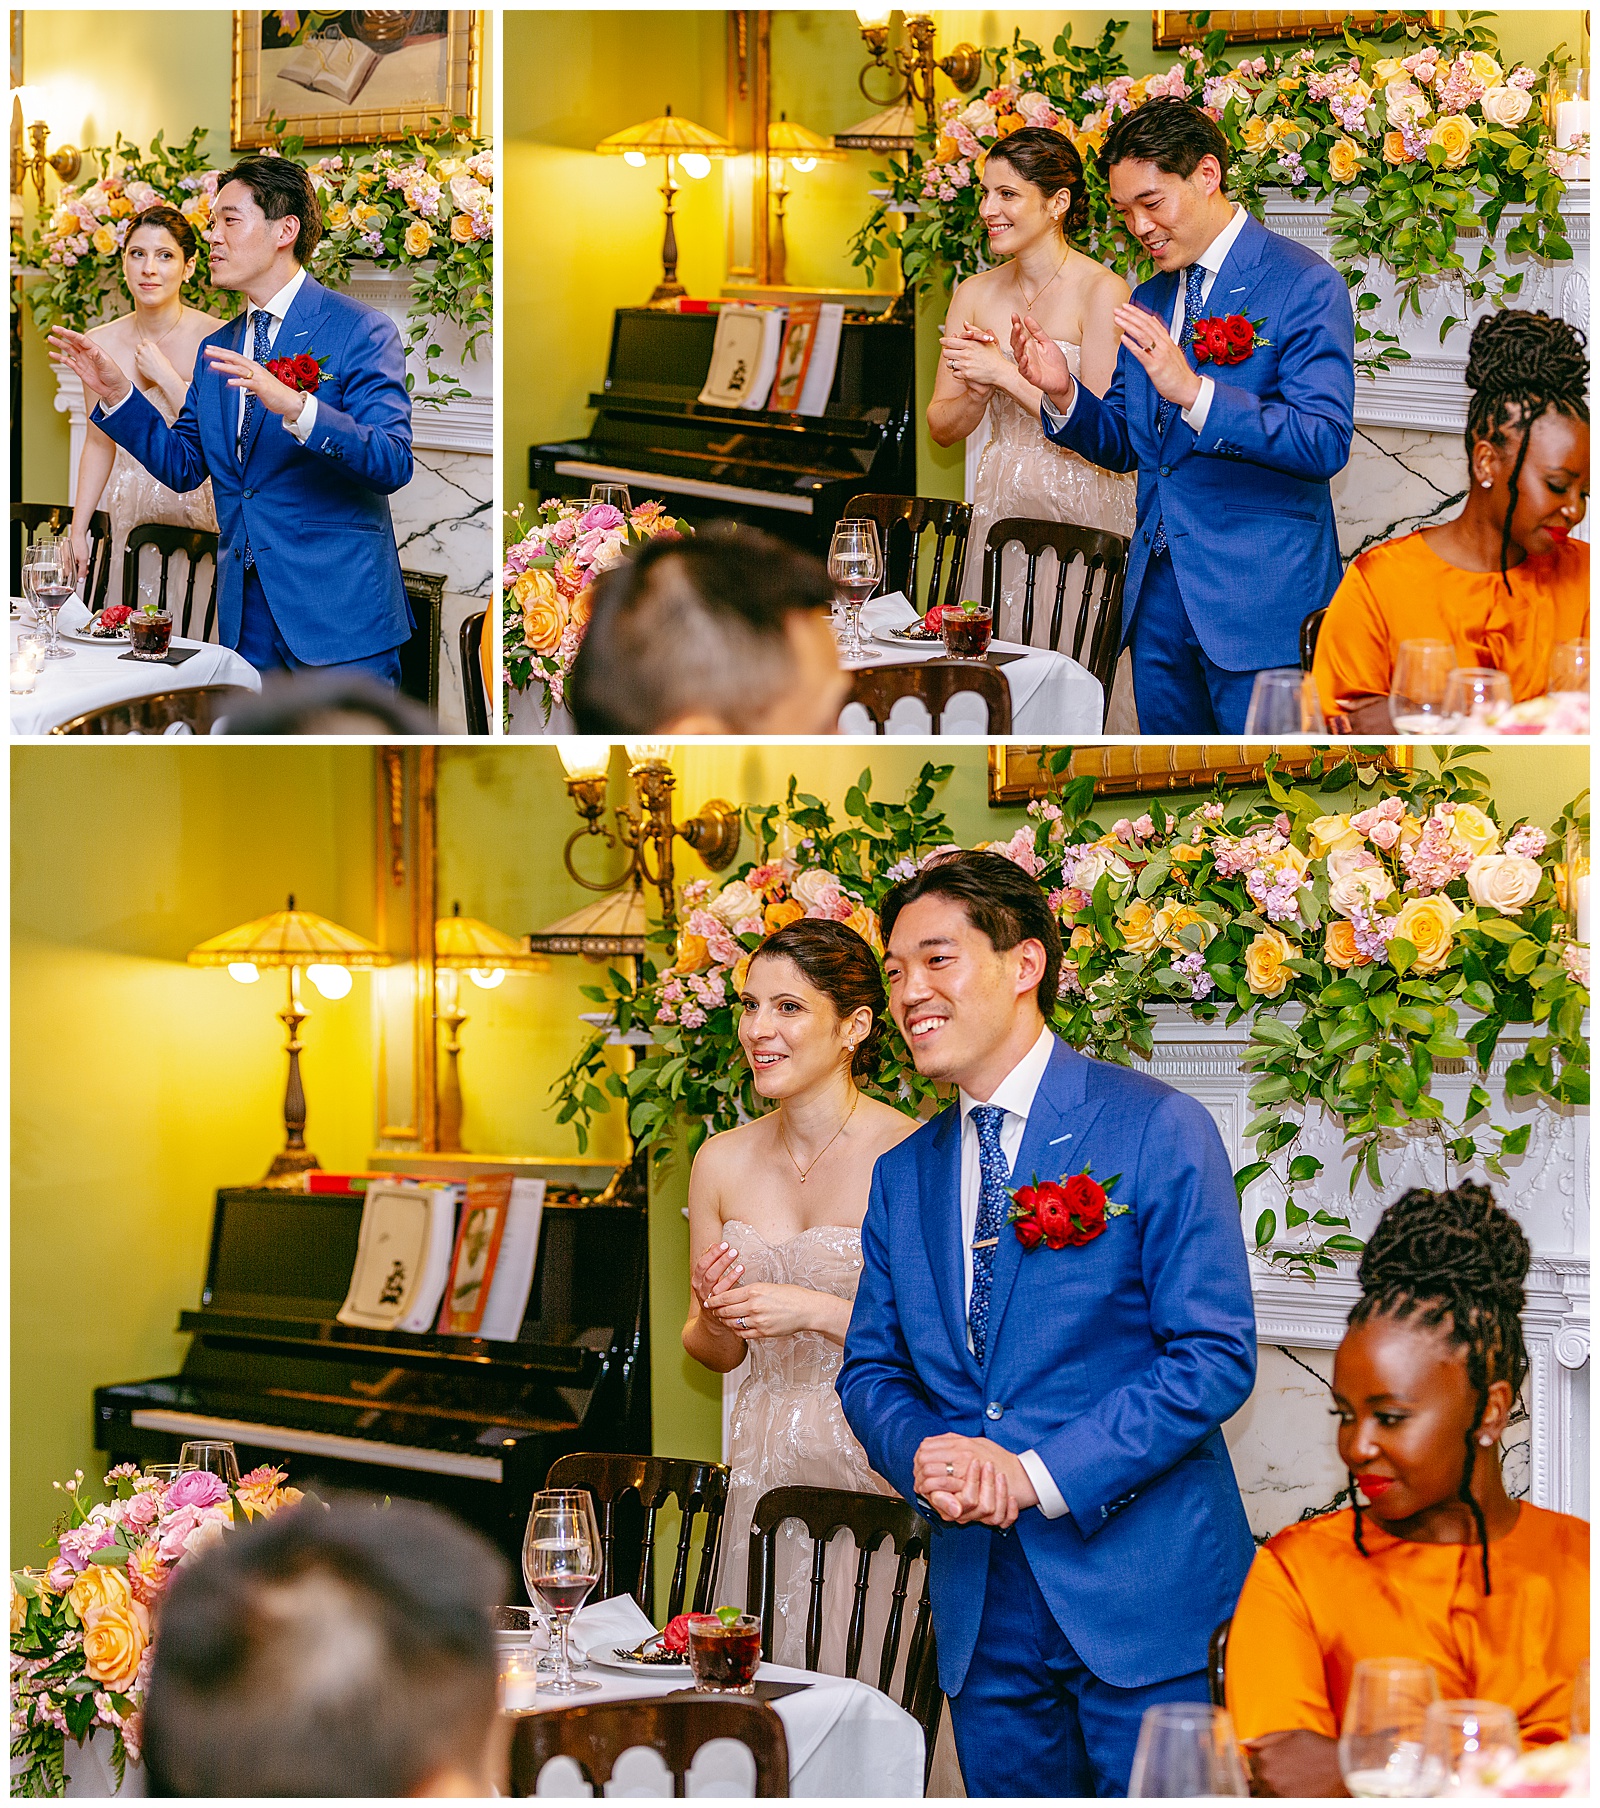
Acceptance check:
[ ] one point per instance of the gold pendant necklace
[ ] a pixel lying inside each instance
(1031, 305)
(805, 1172)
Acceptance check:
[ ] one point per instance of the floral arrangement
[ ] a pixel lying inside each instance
(1352, 939)
(82, 1628)
(1418, 133)
(425, 206)
(560, 549)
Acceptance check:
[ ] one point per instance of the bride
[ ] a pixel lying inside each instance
(1033, 201)
(155, 347)
(775, 1211)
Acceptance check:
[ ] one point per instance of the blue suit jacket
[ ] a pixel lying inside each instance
(1246, 502)
(1116, 1361)
(316, 517)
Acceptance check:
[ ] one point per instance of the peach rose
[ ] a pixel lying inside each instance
(740, 973)
(1186, 852)
(419, 239)
(461, 228)
(693, 956)
(114, 1638)
(1137, 924)
(1394, 149)
(1172, 919)
(104, 240)
(1263, 963)
(1339, 946)
(545, 612)
(1429, 925)
(1472, 831)
(1344, 160)
(780, 916)
(336, 216)
(1083, 936)
(100, 1585)
(583, 606)
(1453, 134)
(1502, 882)
(863, 919)
(1254, 132)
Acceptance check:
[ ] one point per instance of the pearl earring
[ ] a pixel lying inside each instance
(1486, 1440)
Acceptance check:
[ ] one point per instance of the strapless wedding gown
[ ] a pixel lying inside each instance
(132, 496)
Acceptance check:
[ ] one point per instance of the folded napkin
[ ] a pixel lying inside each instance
(885, 612)
(617, 1621)
(74, 615)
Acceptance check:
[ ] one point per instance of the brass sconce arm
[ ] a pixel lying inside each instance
(917, 67)
(66, 161)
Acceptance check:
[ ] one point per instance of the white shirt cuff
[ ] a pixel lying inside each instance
(1196, 415)
(1053, 414)
(1051, 1503)
(301, 428)
(106, 413)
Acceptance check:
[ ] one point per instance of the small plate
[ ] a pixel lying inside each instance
(120, 639)
(607, 1659)
(903, 637)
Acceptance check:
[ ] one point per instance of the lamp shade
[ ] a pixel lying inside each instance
(894, 129)
(611, 925)
(666, 136)
(787, 138)
(289, 938)
(460, 941)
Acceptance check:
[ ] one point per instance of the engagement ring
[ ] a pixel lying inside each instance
(741, 1324)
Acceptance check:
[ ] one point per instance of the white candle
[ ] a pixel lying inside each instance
(1580, 909)
(1572, 123)
(519, 1683)
(24, 671)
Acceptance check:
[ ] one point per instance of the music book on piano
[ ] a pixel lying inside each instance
(507, 1293)
(472, 1266)
(809, 359)
(744, 357)
(402, 1257)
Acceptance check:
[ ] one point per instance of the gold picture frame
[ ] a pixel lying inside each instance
(407, 72)
(1171, 31)
(1134, 769)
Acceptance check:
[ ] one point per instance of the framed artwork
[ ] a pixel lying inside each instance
(1017, 774)
(1170, 31)
(353, 78)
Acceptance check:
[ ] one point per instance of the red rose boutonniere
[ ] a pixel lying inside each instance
(1072, 1210)
(1227, 339)
(302, 373)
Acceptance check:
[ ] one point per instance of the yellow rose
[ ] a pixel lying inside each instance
(1472, 831)
(1502, 882)
(864, 921)
(1332, 834)
(946, 150)
(114, 1638)
(1185, 852)
(1172, 919)
(1453, 134)
(1386, 70)
(461, 228)
(1137, 92)
(1485, 69)
(104, 240)
(1083, 936)
(1283, 861)
(1137, 926)
(1263, 963)
(100, 1585)
(121, 207)
(1394, 149)
(366, 182)
(1429, 925)
(1008, 123)
(363, 213)
(544, 610)
(1339, 947)
(1344, 160)
(780, 916)
(1286, 135)
(336, 216)
(740, 973)
(693, 956)
(419, 239)
(1254, 132)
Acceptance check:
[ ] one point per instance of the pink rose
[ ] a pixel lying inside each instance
(601, 518)
(62, 1574)
(1384, 834)
(141, 1513)
(563, 533)
(196, 1488)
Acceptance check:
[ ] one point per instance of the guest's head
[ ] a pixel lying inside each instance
(813, 1002)
(1428, 1373)
(329, 703)
(725, 633)
(346, 1650)
(265, 222)
(1033, 189)
(158, 256)
(1528, 428)
(1166, 168)
(974, 960)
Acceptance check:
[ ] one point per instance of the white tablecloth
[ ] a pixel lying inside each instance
(97, 675)
(845, 1737)
(1050, 693)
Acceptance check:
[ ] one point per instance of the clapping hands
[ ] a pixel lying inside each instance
(975, 359)
(95, 369)
(1040, 361)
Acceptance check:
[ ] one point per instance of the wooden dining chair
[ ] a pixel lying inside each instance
(419, 656)
(1096, 622)
(872, 1520)
(1217, 1664)
(698, 1488)
(878, 688)
(1310, 628)
(30, 519)
(903, 522)
(196, 545)
(196, 709)
(596, 1738)
(474, 692)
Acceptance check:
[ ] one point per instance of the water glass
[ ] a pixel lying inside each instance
(1468, 1747)
(1284, 701)
(165, 1473)
(1416, 688)
(1475, 698)
(1385, 1726)
(561, 1563)
(855, 563)
(614, 493)
(218, 1459)
(1570, 669)
(47, 583)
(1187, 1748)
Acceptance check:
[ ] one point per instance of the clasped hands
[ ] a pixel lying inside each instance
(102, 376)
(1041, 362)
(972, 1481)
(753, 1311)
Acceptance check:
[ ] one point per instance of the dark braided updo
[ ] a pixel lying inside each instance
(1520, 366)
(1452, 1261)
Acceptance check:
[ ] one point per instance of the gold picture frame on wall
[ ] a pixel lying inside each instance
(1171, 31)
(1017, 774)
(353, 77)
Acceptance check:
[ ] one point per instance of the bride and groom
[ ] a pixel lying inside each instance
(1054, 1412)
(301, 466)
(1234, 439)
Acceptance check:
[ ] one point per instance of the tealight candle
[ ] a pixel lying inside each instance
(519, 1682)
(24, 673)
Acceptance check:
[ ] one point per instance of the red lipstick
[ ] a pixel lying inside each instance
(1374, 1486)
(1559, 532)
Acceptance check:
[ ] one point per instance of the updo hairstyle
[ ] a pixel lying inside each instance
(844, 969)
(1050, 161)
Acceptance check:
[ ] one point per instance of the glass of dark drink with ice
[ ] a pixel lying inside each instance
(724, 1651)
(561, 1564)
(967, 630)
(150, 630)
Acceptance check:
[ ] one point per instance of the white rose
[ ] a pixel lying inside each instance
(1405, 105)
(1506, 106)
(978, 118)
(467, 194)
(1349, 860)
(735, 901)
(809, 888)
(1502, 882)
(1361, 890)
(1033, 106)
(1094, 861)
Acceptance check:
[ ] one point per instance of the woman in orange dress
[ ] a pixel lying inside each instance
(1502, 582)
(1435, 1560)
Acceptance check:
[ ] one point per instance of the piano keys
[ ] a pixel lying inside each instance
(787, 473)
(467, 1423)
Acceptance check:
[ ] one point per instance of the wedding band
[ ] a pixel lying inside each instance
(741, 1324)
(949, 1468)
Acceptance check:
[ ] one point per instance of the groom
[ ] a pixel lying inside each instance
(307, 573)
(1234, 543)
(1054, 1411)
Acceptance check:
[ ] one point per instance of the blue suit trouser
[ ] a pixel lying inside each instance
(1178, 690)
(1031, 1718)
(262, 646)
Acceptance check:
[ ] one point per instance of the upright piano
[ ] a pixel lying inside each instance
(467, 1423)
(788, 473)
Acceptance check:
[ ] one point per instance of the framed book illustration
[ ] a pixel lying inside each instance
(1018, 773)
(483, 1225)
(392, 1252)
(353, 77)
(1169, 31)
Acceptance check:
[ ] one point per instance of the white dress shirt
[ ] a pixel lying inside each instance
(1211, 261)
(1015, 1095)
(275, 309)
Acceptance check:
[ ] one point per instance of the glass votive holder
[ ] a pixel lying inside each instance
(519, 1681)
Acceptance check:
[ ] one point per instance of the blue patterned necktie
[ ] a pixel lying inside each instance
(1191, 313)
(261, 352)
(993, 1197)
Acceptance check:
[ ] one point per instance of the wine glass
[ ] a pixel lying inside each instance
(218, 1459)
(1186, 1748)
(1385, 1726)
(855, 563)
(165, 1473)
(614, 493)
(1475, 698)
(1570, 669)
(1468, 1746)
(561, 1564)
(1283, 701)
(47, 583)
(1416, 688)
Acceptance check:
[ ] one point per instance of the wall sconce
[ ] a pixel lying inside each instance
(681, 142)
(486, 955)
(28, 127)
(916, 67)
(713, 833)
(789, 142)
(294, 939)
